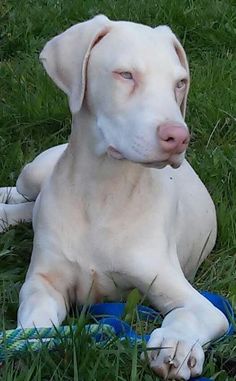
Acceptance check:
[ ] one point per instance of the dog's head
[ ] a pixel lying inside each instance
(134, 80)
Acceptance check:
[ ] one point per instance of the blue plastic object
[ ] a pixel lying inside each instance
(112, 313)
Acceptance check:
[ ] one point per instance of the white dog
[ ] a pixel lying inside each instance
(119, 207)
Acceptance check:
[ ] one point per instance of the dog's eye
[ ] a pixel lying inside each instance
(126, 75)
(181, 84)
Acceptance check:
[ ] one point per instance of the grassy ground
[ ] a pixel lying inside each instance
(34, 116)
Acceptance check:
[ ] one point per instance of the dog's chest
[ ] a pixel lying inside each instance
(97, 240)
(94, 255)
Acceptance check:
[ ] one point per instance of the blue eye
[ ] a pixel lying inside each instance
(126, 75)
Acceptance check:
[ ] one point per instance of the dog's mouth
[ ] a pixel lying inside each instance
(159, 164)
(156, 164)
(162, 164)
(114, 153)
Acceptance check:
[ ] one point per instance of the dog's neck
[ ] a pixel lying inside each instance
(104, 175)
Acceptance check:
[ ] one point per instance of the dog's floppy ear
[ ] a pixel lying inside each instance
(184, 62)
(65, 57)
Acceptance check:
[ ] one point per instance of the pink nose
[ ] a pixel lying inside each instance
(173, 137)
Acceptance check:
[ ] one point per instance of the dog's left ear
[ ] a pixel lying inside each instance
(65, 57)
(182, 58)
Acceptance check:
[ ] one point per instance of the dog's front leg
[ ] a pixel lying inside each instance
(41, 305)
(175, 351)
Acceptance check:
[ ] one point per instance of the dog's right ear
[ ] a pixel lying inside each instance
(65, 57)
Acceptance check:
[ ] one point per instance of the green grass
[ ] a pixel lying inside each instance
(34, 115)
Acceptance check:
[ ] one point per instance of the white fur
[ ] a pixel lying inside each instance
(102, 225)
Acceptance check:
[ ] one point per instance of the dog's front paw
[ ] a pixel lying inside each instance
(173, 357)
(39, 313)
